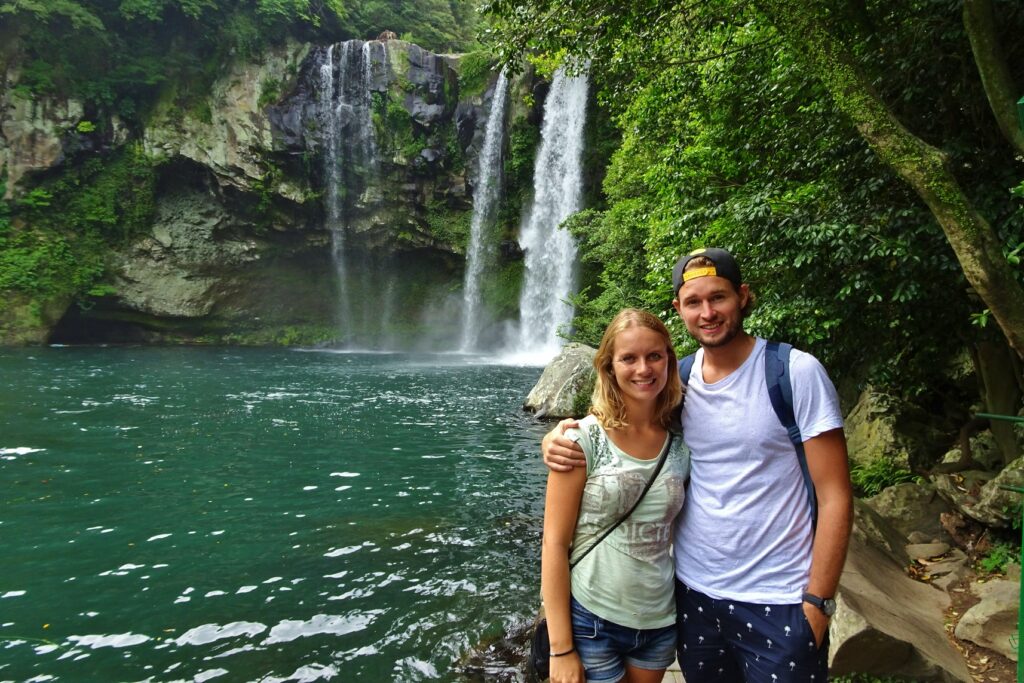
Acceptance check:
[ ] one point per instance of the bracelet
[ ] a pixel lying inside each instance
(562, 654)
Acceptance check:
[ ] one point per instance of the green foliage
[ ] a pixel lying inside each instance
(878, 475)
(303, 10)
(523, 139)
(438, 25)
(270, 92)
(35, 199)
(117, 56)
(394, 127)
(475, 72)
(69, 224)
(79, 16)
(266, 189)
(996, 559)
(449, 226)
(500, 290)
(728, 139)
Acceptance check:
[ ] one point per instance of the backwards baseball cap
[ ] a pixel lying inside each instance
(724, 266)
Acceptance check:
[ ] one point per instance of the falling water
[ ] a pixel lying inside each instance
(550, 253)
(350, 150)
(486, 194)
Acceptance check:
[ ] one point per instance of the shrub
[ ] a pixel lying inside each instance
(996, 559)
(881, 473)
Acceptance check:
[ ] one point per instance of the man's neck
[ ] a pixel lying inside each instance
(722, 361)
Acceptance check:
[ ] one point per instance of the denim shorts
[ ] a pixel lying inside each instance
(605, 648)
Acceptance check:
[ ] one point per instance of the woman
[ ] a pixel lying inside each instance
(612, 616)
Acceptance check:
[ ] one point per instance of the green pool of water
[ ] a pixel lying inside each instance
(236, 515)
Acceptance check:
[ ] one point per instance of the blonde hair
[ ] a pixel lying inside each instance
(606, 403)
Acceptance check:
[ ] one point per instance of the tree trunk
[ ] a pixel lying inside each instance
(1001, 393)
(923, 167)
(1000, 89)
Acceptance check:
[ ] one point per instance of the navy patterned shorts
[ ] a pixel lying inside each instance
(732, 641)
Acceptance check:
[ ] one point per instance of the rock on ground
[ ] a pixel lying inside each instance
(992, 623)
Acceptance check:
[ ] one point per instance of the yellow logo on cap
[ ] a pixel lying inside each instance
(698, 251)
(699, 272)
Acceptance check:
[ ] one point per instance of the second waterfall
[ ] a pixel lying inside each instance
(550, 253)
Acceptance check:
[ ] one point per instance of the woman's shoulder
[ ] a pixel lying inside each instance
(588, 426)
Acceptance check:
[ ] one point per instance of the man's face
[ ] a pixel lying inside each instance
(711, 308)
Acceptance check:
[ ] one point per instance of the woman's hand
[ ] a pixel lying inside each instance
(567, 669)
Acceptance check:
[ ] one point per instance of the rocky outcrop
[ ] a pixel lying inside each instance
(912, 507)
(567, 377)
(229, 132)
(871, 431)
(34, 132)
(992, 623)
(887, 624)
(982, 496)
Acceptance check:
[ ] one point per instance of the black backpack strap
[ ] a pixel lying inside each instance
(685, 366)
(780, 391)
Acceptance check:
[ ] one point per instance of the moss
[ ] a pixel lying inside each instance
(581, 400)
(500, 291)
(270, 92)
(393, 127)
(476, 70)
(523, 139)
(449, 226)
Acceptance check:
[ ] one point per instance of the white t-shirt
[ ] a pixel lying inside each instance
(627, 577)
(745, 532)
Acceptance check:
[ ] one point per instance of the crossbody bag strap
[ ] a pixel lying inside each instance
(647, 487)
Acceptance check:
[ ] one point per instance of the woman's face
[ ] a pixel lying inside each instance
(640, 364)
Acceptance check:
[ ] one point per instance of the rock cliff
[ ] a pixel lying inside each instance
(261, 218)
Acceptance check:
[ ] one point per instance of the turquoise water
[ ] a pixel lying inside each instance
(236, 515)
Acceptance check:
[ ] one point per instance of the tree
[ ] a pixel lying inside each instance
(733, 135)
(923, 166)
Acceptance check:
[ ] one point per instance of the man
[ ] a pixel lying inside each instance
(755, 578)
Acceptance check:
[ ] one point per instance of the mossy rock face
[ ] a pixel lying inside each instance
(871, 432)
(27, 320)
(232, 244)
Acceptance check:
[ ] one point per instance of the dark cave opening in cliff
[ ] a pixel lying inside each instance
(97, 324)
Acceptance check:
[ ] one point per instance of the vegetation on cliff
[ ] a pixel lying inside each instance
(117, 56)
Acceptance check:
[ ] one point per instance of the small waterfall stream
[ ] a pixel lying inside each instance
(486, 196)
(350, 149)
(550, 253)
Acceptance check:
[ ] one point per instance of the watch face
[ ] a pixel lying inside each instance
(828, 606)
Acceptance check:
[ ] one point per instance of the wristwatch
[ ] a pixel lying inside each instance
(826, 605)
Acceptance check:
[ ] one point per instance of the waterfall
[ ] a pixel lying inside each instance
(550, 253)
(486, 195)
(350, 149)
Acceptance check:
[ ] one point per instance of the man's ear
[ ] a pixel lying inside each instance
(676, 304)
(744, 292)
